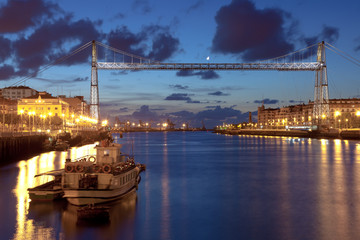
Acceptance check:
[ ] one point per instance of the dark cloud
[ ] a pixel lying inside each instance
(163, 44)
(119, 16)
(18, 15)
(195, 6)
(294, 101)
(178, 86)
(267, 101)
(6, 72)
(205, 75)
(5, 49)
(253, 33)
(328, 34)
(213, 116)
(81, 79)
(141, 5)
(218, 93)
(145, 114)
(178, 97)
(124, 109)
(193, 101)
(44, 45)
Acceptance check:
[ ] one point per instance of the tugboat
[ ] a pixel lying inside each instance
(108, 176)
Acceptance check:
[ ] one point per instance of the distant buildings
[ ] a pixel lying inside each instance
(33, 110)
(344, 113)
(17, 92)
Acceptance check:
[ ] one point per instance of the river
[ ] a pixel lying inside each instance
(201, 185)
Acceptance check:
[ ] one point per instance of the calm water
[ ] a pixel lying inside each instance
(201, 185)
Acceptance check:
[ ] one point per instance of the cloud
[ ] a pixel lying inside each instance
(46, 44)
(5, 48)
(205, 75)
(163, 44)
(328, 34)
(267, 101)
(211, 117)
(141, 5)
(193, 101)
(6, 72)
(18, 15)
(253, 33)
(195, 6)
(218, 93)
(295, 101)
(145, 114)
(178, 97)
(180, 87)
(124, 109)
(81, 79)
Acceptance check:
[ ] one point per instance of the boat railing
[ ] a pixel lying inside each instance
(85, 158)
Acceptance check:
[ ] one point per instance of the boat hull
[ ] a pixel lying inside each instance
(80, 197)
(45, 195)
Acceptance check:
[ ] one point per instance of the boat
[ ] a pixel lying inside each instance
(105, 177)
(61, 145)
(92, 212)
(47, 186)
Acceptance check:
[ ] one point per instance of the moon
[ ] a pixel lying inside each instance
(208, 58)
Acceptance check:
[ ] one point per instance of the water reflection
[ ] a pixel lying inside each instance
(27, 170)
(120, 223)
(208, 186)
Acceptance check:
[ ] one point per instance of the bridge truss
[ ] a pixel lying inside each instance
(321, 95)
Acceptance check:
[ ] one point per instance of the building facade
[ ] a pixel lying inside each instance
(18, 92)
(43, 104)
(344, 113)
(77, 105)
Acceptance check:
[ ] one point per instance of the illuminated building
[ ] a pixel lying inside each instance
(43, 104)
(344, 113)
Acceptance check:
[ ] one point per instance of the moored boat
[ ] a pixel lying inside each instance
(108, 176)
(47, 186)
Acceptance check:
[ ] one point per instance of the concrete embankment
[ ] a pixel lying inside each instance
(14, 147)
(334, 134)
(20, 147)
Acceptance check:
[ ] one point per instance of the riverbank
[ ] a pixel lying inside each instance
(348, 134)
(16, 147)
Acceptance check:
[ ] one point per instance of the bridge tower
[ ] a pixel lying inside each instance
(321, 111)
(94, 91)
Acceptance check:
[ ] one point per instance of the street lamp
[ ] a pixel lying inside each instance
(21, 113)
(337, 114)
(63, 118)
(50, 114)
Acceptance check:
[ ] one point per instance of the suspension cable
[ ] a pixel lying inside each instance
(57, 61)
(126, 54)
(343, 54)
(283, 56)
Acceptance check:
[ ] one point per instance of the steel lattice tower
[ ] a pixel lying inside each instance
(94, 91)
(321, 93)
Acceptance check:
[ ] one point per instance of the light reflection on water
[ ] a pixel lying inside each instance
(27, 170)
(207, 186)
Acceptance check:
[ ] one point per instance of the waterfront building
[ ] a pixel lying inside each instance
(344, 113)
(8, 106)
(77, 105)
(17, 92)
(43, 103)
